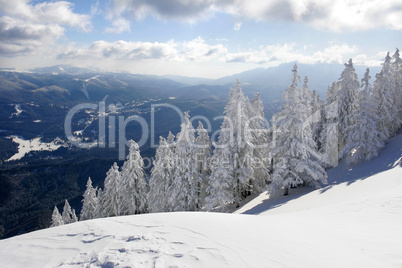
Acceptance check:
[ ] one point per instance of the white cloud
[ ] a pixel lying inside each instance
(272, 55)
(188, 10)
(334, 15)
(20, 37)
(195, 50)
(46, 13)
(199, 50)
(25, 28)
(120, 25)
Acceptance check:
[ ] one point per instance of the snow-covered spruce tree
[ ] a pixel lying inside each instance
(363, 142)
(259, 134)
(306, 97)
(133, 187)
(294, 153)
(349, 86)
(74, 216)
(89, 202)
(317, 114)
(99, 204)
(235, 144)
(110, 196)
(329, 135)
(161, 177)
(220, 185)
(383, 88)
(396, 72)
(185, 191)
(67, 214)
(57, 220)
(204, 151)
(170, 141)
(314, 113)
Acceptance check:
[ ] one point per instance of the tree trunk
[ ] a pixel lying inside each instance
(286, 191)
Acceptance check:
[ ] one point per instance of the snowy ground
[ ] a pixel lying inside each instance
(27, 146)
(354, 222)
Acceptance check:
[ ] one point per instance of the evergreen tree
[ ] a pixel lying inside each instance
(203, 149)
(329, 135)
(57, 220)
(220, 186)
(184, 191)
(306, 99)
(99, 204)
(170, 141)
(89, 202)
(74, 216)
(132, 187)
(259, 135)
(364, 141)
(396, 94)
(67, 214)
(317, 118)
(294, 152)
(349, 86)
(383, 88)
(161, 177)
(110, 196)
(235, 143)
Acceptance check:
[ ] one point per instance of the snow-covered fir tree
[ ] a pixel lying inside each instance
(348, 85)
(57, 220)
(363, 142)
(235, 144)
(132, 186)
(294, 152)
(220, 185)
(306, 97)
(317, 117)
(259, 134)
(110, 196)
(383, 88)
(74, 216)
(184, 191)
(67, 214)
(89, 202)
(396, 72)
(161, 177)
(203, 149)
(329, 134)
(171, 141)
(99, 203)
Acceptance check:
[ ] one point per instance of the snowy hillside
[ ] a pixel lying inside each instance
(354, 222)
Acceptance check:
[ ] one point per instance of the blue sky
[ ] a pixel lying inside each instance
(204, 38)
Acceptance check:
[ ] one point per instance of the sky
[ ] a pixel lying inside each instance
(196, 38)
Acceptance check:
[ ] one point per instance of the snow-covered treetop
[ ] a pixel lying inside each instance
(187, 131)
(365, 82)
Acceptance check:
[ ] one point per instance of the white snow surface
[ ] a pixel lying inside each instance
(27, 146)
(354, 222)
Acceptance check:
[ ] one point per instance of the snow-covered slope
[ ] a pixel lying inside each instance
(356, 223)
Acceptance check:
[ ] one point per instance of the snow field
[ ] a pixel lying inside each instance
(355, 225)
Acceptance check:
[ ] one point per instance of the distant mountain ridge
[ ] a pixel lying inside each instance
(320, 75)
(268, 81)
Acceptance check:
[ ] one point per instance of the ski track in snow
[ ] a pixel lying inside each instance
(354, 222)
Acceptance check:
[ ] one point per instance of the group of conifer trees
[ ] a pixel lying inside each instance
(191, 172)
